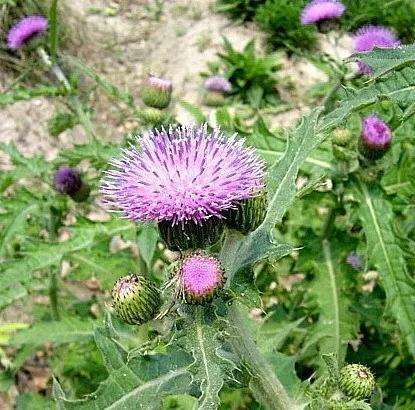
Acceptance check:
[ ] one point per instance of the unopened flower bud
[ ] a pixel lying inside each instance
(356, 381)
(376, 137)
(135, 299)
(156, 92)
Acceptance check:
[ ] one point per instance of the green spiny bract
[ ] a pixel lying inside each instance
(356, 381)
(214, 99)
(154, 116)
(187, 235)
(248, 214)
(156, 92)
(135, 299)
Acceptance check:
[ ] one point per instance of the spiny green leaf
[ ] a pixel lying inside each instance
(383, 60)
(140, 384)
(386, 255)
(336, 324)
(147, 240)
(209, 369)
(64, 331)
(240, 252)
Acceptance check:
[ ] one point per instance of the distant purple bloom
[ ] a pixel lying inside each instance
(319, 10)
(218, 84)
(25, 30)
(355, 261)
(376, 134)
(67, 181)
(159, 83)
(183, 174)
(369, 37)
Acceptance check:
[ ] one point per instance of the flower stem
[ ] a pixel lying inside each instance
(74, 100)
(53, 294)
(265, 384)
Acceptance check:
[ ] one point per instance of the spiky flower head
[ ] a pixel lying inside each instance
(218, 84)
(135, 299)
(354, 260)
(376, 137)
(356, 381)
(369, 37)
(183, 174)
(26, 29)
(320, 10)
(156, 92)
(69, 181)
(248, 214)
(200, 277)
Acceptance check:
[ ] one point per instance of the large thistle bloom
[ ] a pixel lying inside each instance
(183, 176)
(369, 37)
(26, 29)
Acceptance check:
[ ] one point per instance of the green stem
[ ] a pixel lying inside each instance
(53, 294)
(74, 100)
(264, 382)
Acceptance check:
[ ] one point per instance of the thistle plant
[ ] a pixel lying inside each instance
(230, 272)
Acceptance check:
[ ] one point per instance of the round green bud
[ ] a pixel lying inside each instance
(135, 299)
(341, 136)
(356, 381)
(187, 235)
(248, 214)
(214, 99)
(154, 116)
(156, 92)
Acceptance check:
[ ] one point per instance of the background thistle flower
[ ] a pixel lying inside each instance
(218, 84)
(186, 178)
(376, 137)
(248, 214)
(25, 30)
(156, 92)
(321, 10)
(369, 37)
(200, 277)
(69, 181)
(356, 381)
(355, 261)
(135, 299)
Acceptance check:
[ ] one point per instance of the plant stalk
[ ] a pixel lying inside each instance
(265, 384)
(53, 294)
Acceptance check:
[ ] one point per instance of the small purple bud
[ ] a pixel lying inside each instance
(369, 37)
(218, 84)
(355, 261)
(376, 137)
(321, 10)
(24, 30)
(68, 181)
(156, 92)
(200, 277)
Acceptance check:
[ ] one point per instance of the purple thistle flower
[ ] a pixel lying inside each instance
(185, 174)
(67, 180)
(376, 137)
(369, 37)
(218, 84)
(200, 276)
(25, 30)
(354, 260)
(320, 10)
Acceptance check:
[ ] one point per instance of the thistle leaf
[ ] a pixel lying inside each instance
(386, 255)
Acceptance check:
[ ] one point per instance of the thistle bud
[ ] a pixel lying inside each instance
(135, 299)
(376, 137)
(187, 235)
(201, 276)
(68, 181)
(156, 92)
(214, 99)
(155, 117)
(356, 381)
(248, 214)
(341, 136)
(216, 88)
